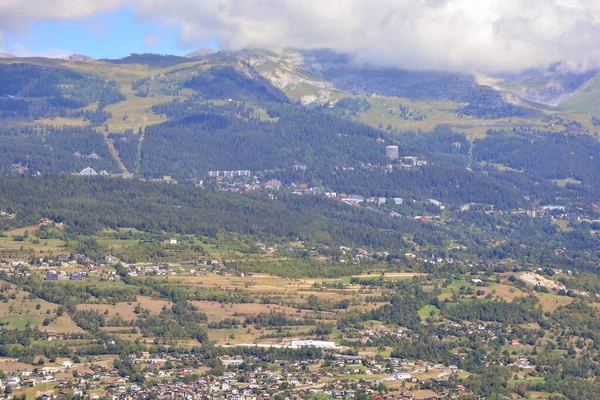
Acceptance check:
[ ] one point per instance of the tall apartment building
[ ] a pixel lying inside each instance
(391, 152)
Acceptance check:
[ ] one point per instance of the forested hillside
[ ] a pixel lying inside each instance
(35, 92)
(87, 205)
(212, 141)
(260, 130)
(51, 150)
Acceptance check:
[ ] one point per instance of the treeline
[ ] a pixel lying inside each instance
(277, 319)
(69, 295)
(300, 267)
(33, 91)
(52, 150)
(179, 109)
(209, 141)
(544, 157)
(215, 138)
(238, 82)
(520, 311)
(87, 205)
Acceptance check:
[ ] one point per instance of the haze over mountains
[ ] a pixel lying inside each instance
(326, 70)
(143, 106)
(456, 35)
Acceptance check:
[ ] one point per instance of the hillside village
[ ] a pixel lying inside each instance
(286, 225)
(344, 364)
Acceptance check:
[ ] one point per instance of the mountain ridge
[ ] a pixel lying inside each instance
(396, 99)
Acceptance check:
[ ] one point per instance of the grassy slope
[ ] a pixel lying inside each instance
(137, 109)
(437, 112)
(586, 99)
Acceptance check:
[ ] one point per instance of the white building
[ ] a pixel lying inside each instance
(88, 172)
(391, 152)
(402, 376)
(297, 344)
(436, 203)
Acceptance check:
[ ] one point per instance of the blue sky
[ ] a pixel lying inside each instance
(488, 36)
(109, 35)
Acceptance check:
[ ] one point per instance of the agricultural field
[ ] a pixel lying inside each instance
(184, 306)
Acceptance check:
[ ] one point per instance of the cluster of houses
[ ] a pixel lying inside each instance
(66, 261)
(171, 378)
(154, 269)
(554, 212)
(7, 215)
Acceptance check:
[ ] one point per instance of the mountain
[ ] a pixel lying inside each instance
(326, 70)
(155, 61)
(391, 99)
(550, 86)
(7, 55)
(203, 52)
(79, 57)
(154, 115)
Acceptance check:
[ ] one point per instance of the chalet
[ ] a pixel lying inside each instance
(88, 172)
(51, 276)
(272, 184)
(355, 198)
(76, 276)
(62, 257)
(14, 381)
(298, 167)
(436, 203)
(402, 376)
(227, 360)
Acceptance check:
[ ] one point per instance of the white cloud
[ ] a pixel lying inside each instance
(485, 35)
(21, 51)
(15, 14)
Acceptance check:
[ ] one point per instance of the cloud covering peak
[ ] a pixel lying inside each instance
(460, 35)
